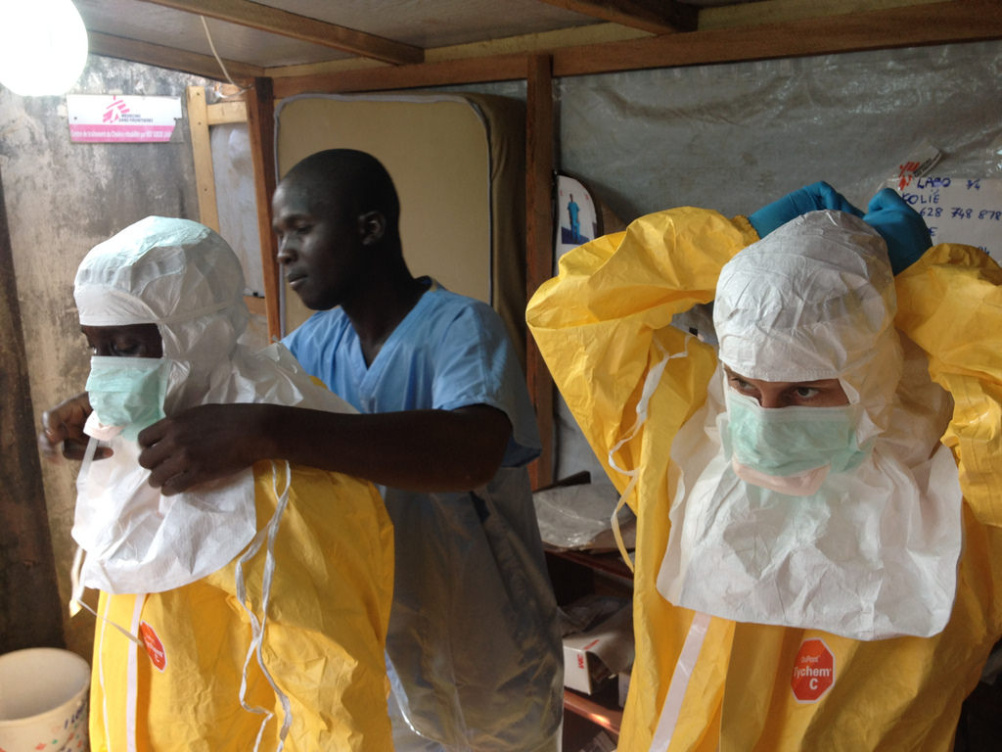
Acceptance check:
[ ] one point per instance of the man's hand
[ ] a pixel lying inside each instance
(62, 430)
(201, 444)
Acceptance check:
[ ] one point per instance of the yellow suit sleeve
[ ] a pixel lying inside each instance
(950, 304)
(603, 323)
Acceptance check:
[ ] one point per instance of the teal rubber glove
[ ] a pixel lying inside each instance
(813, 197)
(901, 227)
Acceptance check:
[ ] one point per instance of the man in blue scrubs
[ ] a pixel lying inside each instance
(445, 428)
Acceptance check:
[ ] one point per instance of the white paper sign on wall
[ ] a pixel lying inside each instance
(958, 210)
(111, 118)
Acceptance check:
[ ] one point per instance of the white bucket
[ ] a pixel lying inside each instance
(43, 701)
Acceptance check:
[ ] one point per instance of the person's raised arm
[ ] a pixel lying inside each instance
(418, 450)
(602, 324)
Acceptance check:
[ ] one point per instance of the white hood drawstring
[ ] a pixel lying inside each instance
(650, 384)
(258, 625)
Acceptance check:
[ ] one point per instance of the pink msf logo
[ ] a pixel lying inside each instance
(114, 111)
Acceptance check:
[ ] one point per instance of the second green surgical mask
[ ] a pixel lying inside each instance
(790, 442)
(127, 392)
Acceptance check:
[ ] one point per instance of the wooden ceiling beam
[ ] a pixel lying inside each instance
(466, 71)
(781, 11)
(910, 26)
(169, 57)
(303, 28)
(941, 23)
(655, 16)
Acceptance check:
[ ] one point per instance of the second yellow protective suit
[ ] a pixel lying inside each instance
(602, 325)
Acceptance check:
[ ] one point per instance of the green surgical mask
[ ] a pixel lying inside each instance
(127, 392)
(791, 441)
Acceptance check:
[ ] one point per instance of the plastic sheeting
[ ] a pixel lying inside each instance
(236, 199)
(732, 137)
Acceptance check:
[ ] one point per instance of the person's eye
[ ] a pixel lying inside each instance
(740, 384)
(127, 349)
(303, 229)
(806, 393)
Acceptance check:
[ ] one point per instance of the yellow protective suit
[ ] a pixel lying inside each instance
(274, 583)
(603, 323)
(323, 640)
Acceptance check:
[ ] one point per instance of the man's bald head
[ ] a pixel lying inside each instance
(347, 182)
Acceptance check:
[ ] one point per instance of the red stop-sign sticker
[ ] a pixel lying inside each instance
(154, 647)
(813, 671)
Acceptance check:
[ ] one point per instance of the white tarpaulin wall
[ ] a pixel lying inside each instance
(735, 136)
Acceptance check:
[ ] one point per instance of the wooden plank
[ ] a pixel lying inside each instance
(525, 44)
(276, 21)
(539, 166)
(473, 70)
(30, 610)
(940, 23)
(261, 131)
(256, 305)
(655, 16)
(611, 719)
(201, 151)
(610, 563)
(781, 11)
(168, 57)
(227, 112)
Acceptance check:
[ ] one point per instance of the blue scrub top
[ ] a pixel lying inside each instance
(450, 351)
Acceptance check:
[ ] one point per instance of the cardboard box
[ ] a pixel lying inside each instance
(624, 686)
(592, 657)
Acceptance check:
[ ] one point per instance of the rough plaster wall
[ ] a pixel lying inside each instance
(62, 199)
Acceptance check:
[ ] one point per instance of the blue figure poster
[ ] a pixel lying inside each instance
(577, 221)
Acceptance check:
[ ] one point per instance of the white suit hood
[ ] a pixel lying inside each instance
(815, 300)
(184, 278)
(871, 554)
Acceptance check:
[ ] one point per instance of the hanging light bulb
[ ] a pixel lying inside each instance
(43, 46)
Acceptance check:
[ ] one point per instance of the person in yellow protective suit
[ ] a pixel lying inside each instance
(249, 613)
(809, 572)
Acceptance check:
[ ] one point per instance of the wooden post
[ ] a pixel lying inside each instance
(201, 151)
(261, 129)
(539, 164)
(30, 610)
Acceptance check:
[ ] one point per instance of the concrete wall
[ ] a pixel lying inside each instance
(63, 198)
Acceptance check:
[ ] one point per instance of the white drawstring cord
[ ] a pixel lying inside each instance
(269, 532)
(650, 384)
(212, 46)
